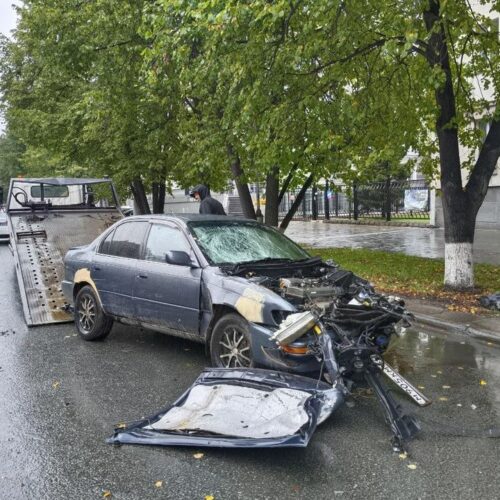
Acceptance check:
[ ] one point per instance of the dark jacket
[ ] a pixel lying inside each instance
(208, 204)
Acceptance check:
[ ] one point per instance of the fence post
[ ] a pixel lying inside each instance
(314, 203)
(327, 202)
(304, 213)
(355, 201)
(388, 199)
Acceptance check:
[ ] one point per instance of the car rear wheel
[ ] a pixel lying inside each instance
(230, 345)
(90, 320)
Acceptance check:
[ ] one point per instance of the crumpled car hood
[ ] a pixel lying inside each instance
(242, 408)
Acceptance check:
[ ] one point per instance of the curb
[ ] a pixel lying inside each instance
(378, 223)
(465, 330)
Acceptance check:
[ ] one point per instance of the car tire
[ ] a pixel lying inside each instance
(90, 320)
(230, 345)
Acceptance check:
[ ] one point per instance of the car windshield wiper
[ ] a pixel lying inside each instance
(235, 268)
(266, 260)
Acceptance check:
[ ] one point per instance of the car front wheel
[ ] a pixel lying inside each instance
(230, 345)
(90, 320)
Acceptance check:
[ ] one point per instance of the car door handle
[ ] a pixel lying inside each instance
(142, 276)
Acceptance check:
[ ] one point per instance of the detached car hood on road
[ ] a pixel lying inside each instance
(242, 408)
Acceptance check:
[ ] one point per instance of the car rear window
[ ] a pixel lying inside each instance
(127, 240)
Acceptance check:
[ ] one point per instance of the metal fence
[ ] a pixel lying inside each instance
(408, 199)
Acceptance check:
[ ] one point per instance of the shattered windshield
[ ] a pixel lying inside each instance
(239, 242)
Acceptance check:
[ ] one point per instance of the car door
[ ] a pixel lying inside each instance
(114, 267)
(167, 295)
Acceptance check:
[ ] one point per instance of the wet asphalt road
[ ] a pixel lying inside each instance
(60, 398)
(419, 241)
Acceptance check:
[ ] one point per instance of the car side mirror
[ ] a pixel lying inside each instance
(178, 258)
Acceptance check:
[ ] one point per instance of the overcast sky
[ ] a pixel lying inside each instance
(7, 16)
(7, 23)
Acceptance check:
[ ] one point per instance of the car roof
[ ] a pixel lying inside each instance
(185, 218)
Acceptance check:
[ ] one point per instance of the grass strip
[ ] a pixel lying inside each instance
(410, 275)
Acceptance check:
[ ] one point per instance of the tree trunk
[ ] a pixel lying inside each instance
(242, 187)
(139, 193)
(296, 204)
(460, 206)
(272, 195)
(159, 197)
(285, 185)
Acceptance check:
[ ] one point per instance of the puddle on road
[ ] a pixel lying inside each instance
(461, 375)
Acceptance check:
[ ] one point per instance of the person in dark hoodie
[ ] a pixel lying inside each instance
(208, 205)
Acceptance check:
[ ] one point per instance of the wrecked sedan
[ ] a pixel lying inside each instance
(229, 283)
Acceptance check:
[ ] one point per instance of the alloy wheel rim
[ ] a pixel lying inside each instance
(86, 314)
(234, 349)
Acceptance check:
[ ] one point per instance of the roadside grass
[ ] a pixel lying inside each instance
(423, 221)
(413, 276)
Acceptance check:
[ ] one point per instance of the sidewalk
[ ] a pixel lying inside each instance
(483, 326)
(419, 241)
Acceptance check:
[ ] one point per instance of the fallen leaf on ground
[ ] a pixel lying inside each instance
(106, 494)
(473, 407)
(403, 456)
(460, 367)
(412, 466)
(56, 384)
(443, 398)
(446, 387)
(483, 382)
(440, 372)
(433, 376)
(198, 455)
(159, 484)
(209, 497)
(421, 386)
(459, 404)
(121, 425)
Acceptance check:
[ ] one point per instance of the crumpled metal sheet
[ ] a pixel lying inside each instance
(239, 408)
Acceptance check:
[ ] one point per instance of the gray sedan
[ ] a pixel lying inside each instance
(226, 282)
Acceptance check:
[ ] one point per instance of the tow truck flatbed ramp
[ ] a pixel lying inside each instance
(41, 236)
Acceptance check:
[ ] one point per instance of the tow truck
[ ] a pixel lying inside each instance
(46, 217)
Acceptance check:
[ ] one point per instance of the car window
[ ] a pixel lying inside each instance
(163, 239)
(127, 240)
(106, 244)
(238, 242)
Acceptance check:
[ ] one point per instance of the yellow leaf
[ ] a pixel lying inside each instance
(412, 466)
(198, 455)
(159, 484)
(421, 386)
(403, 456)
(443, 398)
(106, 493)
(121, 425)
(483, 382)
(446, 387)
(209, 497)
(56, 384)
(440, 372)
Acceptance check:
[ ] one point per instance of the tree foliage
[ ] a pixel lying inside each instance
(220, 90)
